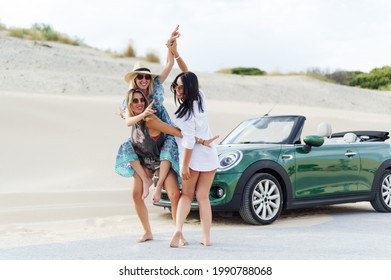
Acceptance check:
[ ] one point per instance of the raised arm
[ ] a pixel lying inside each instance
(132, 120)
(180, 61)
(170, 56)
(167, 69)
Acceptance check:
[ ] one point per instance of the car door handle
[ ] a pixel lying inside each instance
(287, 157)
(350, 154)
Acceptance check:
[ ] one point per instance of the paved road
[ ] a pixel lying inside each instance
(343, 232)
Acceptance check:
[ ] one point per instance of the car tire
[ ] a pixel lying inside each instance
(382, 200)
(262, 200)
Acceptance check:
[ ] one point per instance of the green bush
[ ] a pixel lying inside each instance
(378, 78)
(130, 52)
(342, 77)
(152, 57)
(243, 71)
(46, 30)
(386, 87)
(318, 73)
(18, 32)
(43, 32)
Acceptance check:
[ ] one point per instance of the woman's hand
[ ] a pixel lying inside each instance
(172, 46)
(121, 113)
(206, 142)
(174, 35)
(171, 42)
(209, 141)
(185, 172)
(149, 111)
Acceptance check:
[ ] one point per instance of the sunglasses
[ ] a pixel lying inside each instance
(140, 77)
(176, 87)
(137, 100)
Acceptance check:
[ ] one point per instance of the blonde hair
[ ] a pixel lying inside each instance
(129, 98)
(133, 84)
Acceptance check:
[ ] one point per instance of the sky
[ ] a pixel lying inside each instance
(273, 35)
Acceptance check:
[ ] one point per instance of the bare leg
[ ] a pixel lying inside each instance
(141, 209)
(184, 207)
(172, 187)
(146, 180)
(165, 166)
(202, 193)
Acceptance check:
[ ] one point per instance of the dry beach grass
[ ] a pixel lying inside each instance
(60, 134)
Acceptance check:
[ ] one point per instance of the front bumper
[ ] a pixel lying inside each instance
(229, 201)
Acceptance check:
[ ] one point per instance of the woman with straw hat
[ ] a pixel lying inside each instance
(147, 138)
(151, 83)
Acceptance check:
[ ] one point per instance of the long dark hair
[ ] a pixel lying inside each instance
(191, 93)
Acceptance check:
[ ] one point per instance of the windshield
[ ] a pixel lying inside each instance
(262, 130)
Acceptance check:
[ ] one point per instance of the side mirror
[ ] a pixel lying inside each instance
(312, 141)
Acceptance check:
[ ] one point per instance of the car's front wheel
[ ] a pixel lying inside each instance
(262, 200)
(382, 200)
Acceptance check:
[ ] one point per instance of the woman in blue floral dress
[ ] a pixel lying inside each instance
(127, 161)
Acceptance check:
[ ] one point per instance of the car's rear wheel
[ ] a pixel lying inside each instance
(382, 200)
(262, 200)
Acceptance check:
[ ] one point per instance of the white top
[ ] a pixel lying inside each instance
(203, 158)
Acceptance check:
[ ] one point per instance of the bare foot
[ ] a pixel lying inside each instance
(157, 194)
(146, 185)
(205, 243)
(184, 242)
(145, 237)
(176, 239)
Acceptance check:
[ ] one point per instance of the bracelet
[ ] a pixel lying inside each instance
(178, 57)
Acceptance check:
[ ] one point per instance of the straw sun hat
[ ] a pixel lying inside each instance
(139, 68)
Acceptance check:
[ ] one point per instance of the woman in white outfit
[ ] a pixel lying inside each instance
(198, 163)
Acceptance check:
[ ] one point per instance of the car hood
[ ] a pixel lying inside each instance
(245, 147)
(251, 153)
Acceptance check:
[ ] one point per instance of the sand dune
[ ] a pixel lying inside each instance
(60, 134)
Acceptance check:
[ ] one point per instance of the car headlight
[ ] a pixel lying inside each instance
(229, 160)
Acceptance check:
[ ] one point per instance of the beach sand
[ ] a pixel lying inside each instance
(60, 134)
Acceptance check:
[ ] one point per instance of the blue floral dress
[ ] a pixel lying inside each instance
(169, 151)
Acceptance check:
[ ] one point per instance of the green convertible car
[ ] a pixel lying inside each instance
(266, 167)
